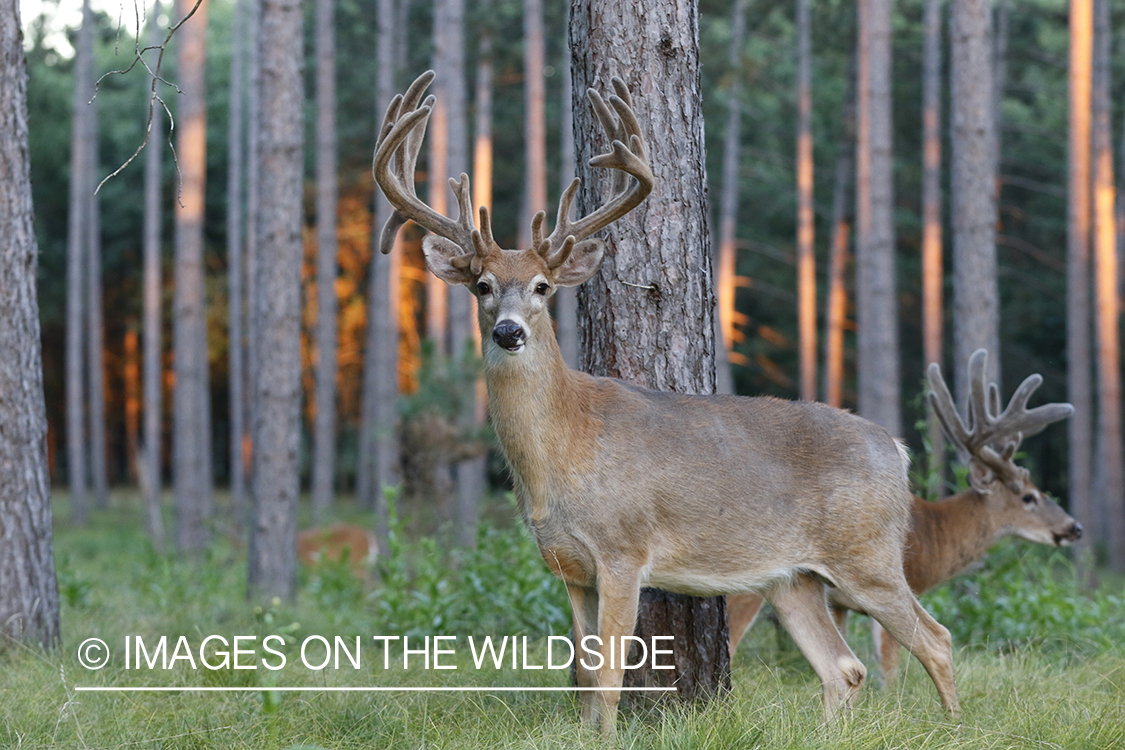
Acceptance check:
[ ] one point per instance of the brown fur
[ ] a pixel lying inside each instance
(315, 546)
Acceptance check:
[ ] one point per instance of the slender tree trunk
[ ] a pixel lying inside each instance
(976, 295)
(566, 298)
(77, 234)
(190, 402)
(131, 380)
(1107, 318)
(29, 596)
(237, 374)
(655, 283)
(535, 117)
(728, 206)
(437, 170)
(932, 270)
(876, 302)
(806, 220)
(836, 313)
(1078, 261)
(273, 559)
(149, 466)
(379, 446)
(999, 87)
(253, 166)
(324, 460)
(95, 323)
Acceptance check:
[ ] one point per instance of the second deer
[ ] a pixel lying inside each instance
(948, 536)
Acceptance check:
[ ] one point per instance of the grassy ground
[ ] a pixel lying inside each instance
(1054, 693)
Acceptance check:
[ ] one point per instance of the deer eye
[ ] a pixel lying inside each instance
(483, 289)
(1029, 499)
(542, 288)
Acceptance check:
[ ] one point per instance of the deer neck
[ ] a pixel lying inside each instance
(543, 416)
(948, 536)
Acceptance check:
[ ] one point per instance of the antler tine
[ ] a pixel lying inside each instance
(946, 411)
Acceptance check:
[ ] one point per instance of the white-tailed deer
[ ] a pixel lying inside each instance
(626, 487)
(949, 535)
(338, 542)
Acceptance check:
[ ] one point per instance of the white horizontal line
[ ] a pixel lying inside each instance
(283, 689)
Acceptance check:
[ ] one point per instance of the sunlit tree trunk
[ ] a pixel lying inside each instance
(29, 596)
(976, 295)
(131, 380)
(236, 342)
(324, 458)
(535, 118)
(728, 207)
(1078, 261)
(437, 170)
(277, 428)
(655, 283)
(77, 234)
(566, 298)
(836, 312)
(806, 223)
(1109, 456)
(190, 440)
(932, 272)
(876, 302)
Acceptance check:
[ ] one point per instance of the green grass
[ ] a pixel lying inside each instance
(1050, 690)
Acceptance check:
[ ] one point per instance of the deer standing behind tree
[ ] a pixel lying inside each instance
(948, 536)
(626, 487)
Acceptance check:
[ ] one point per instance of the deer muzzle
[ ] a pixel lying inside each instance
(509, 336)
(1073, 534)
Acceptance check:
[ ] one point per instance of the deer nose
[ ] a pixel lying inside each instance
(509, 335)
(1076, 531)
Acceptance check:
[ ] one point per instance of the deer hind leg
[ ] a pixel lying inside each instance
(742, 610)
(802, 608)
(584, 611)
(888, 650)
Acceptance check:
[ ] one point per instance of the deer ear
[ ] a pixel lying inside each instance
(980, 476)
(440, 254)
(584, 261)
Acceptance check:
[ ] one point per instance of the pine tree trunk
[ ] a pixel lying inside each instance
(806, 221)
(932, 271)
(647, 316)
(253, 167)
(149, 466)
(324, 458)
(236, 341)
(77, 234)
(535, 118)
(1109, 444)
(566, 298)
(277, 429)
(876, 301)
(976, 295)
(29, 597)
(836, 306)
(95, 324)
(191, 463)
(1078, 262)
(999, 87)
(728, 206)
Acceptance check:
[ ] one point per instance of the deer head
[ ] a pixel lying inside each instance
(988, 445)
(512, 286)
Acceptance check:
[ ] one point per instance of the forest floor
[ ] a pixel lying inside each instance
(114, 587)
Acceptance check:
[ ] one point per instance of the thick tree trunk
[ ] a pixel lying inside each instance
(806, 220)
(932, 272)
(535, 117)
(647, 316)
(876, 301)
(1109, 446)
(728, 206)
(566, 298)
(29, 596)
(191, 402)
(77, 234)
(836, 307)
(236, 341)
(976, 295)
(149, 464)
(1078, 261)
(324, 458)
(277, 429)
(999, 86)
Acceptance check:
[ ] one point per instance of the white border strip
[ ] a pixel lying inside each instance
(283, 689)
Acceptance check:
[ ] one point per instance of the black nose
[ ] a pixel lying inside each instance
(508, 334)
(1076, 531)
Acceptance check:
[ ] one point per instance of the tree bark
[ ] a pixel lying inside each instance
(566, 298)
(976, 295)
(933, 274)
(647, 316)
(95, 316)
(191, 402)
(77, 236)
(876, 302)
(1109, 444)
(806, 220)
(149, 464)
(29, 597)
(236, 342)
(1078, 261)
(324, 459)
(253, 167)
(535, 117)
(728, 206)
(836, 312)
(277, 429)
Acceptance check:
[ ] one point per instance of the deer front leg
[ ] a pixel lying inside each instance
(617, 617)
(584, 611)
(742, 610)
(803, 609)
